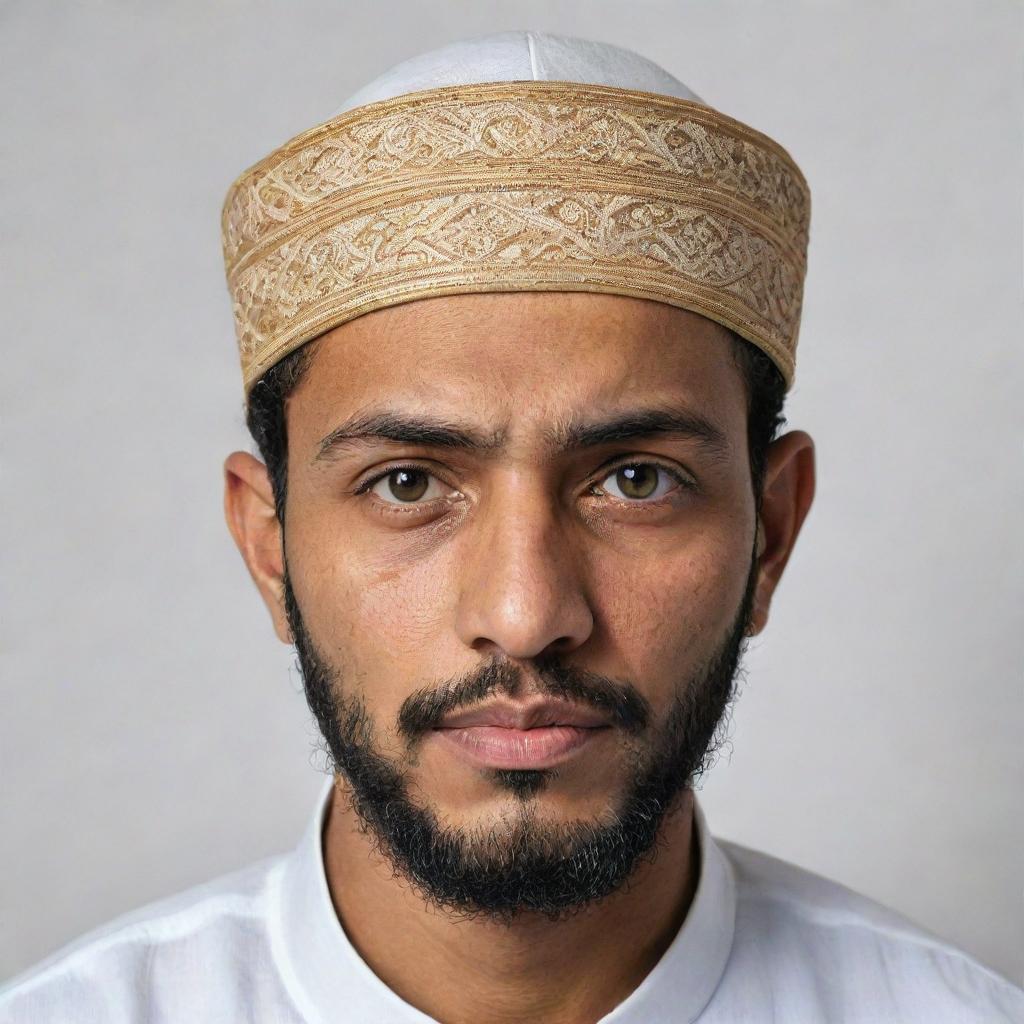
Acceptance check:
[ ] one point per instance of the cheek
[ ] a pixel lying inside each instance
(377, 615)
(663, 615)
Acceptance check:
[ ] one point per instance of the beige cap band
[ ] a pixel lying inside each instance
(517, 186)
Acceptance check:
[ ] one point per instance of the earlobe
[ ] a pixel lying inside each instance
(252, 519)
(787, 497)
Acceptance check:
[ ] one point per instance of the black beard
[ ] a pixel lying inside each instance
(525, 865)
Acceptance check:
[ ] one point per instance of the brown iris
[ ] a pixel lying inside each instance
(637, 481)
(408, 484)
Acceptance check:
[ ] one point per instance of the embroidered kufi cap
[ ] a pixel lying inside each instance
(518, 162)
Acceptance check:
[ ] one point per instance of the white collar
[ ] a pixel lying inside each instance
(331, 982)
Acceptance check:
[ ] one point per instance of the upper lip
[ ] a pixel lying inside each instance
(507, 715)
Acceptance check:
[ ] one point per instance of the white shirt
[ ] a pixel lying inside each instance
(763, 941)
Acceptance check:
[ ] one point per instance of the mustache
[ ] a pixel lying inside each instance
(620, 701)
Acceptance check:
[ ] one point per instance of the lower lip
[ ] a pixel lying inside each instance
(490, 746)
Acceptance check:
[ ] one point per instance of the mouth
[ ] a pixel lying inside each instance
(511, 736)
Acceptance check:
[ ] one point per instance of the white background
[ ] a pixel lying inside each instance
(153, 733)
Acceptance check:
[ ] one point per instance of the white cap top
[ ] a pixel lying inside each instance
(519, 57)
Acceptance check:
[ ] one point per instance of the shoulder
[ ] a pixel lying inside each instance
(157, 958)
(857, 956)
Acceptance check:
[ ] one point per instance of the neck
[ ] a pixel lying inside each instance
(450, 967)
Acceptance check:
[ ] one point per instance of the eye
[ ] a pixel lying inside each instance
(639, 481)
(406, 485)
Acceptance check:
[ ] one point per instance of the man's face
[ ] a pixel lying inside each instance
(501, 500)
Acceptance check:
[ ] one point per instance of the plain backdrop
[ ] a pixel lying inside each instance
(154, 733)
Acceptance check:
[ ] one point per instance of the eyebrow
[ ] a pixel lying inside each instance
(577, 434)
(574, 434)
(419, 430)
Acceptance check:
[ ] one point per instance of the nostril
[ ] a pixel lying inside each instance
(483, 645)
(555, 651)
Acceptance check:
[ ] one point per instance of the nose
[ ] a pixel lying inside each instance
(522, 591)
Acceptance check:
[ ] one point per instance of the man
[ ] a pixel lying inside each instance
(516, 329)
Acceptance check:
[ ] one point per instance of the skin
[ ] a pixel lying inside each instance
(514, 552)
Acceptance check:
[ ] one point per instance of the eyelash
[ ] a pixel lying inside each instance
(606, 471)
(674, 475)
(409, 467)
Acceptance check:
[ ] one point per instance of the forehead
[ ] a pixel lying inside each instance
(519, 360)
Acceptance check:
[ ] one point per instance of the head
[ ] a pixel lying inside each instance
(494, 500)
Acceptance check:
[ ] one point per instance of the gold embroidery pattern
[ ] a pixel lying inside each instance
(517, 186)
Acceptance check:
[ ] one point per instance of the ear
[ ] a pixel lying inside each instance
(252, 520)
(788, 493)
